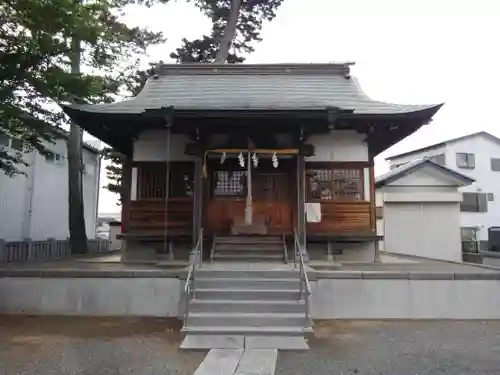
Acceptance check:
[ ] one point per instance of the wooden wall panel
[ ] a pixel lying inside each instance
(342, 217)
(220, 214)
(148, 216)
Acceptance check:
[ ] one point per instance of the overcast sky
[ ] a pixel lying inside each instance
(406, 51)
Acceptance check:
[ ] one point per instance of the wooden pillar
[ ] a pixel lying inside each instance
(373, 208)
(301, 199)
(197, 198)
(127, 188)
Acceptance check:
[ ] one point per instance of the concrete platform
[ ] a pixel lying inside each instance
(220, 362)
(201, 342)
(257, 362)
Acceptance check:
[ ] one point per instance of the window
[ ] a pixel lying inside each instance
(50, 157)
(438, 159)
(229, 183)
(4, 139)
(465, 160)
(151, 182)
(181, 180)
(491, 197)
(59, 159)
(474, 202)
(335, 184)
(468, 233)
(495, 164)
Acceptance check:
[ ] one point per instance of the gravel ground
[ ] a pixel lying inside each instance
(97, 346)
(93, 346)
(398, 348)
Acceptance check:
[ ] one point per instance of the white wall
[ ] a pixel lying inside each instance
(13, 205)
(421, 215)
(336, 146)
(36, 206)
(152, 146)
(487, 181)
(429, 230)
(427, 153)
(346, 145)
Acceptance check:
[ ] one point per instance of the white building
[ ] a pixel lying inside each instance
(477, 156)
(35, 205)
(421, 210)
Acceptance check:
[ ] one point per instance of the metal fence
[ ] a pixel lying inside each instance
(25, 251)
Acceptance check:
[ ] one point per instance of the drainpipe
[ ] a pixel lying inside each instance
(99, 164)
(31, 193)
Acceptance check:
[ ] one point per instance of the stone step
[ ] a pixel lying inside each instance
(200, 342)
(279, 255)
(247, 294)
(249, 306)
(276, 342)
(249, 239)
(193, 341)
(259, 257)
(248, 331)
(248, 273)
(221, 319)
(261, 247)
(250, 283)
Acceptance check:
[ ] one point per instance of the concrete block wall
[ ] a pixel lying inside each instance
(357, 298)
(108, 296)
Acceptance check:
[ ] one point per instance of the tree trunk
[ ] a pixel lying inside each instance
(77, 232)
(229, 33)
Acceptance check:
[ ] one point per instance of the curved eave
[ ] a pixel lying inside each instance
(427, 111)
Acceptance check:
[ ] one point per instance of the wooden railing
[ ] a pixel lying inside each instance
(27, 251)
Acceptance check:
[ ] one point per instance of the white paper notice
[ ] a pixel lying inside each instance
(313, 212)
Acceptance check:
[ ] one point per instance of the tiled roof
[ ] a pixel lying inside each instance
(412, 165)
(442, 143)
(253, 87)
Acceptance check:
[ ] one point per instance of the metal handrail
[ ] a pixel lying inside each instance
(305, 288)
(195, 260)
(285, 249)
(212, 250)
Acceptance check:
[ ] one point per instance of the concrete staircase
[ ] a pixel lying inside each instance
(248, 248)
(258, 309)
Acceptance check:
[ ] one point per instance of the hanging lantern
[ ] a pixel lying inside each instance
(241, 159)
(255, 159)
(223, 158)
(275, 160)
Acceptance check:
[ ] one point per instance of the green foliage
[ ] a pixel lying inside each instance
(114, 172)
(35, 46)
(252, 15)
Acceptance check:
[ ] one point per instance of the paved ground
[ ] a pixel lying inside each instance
(398, 348)
(86, 346)
(83, 346)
